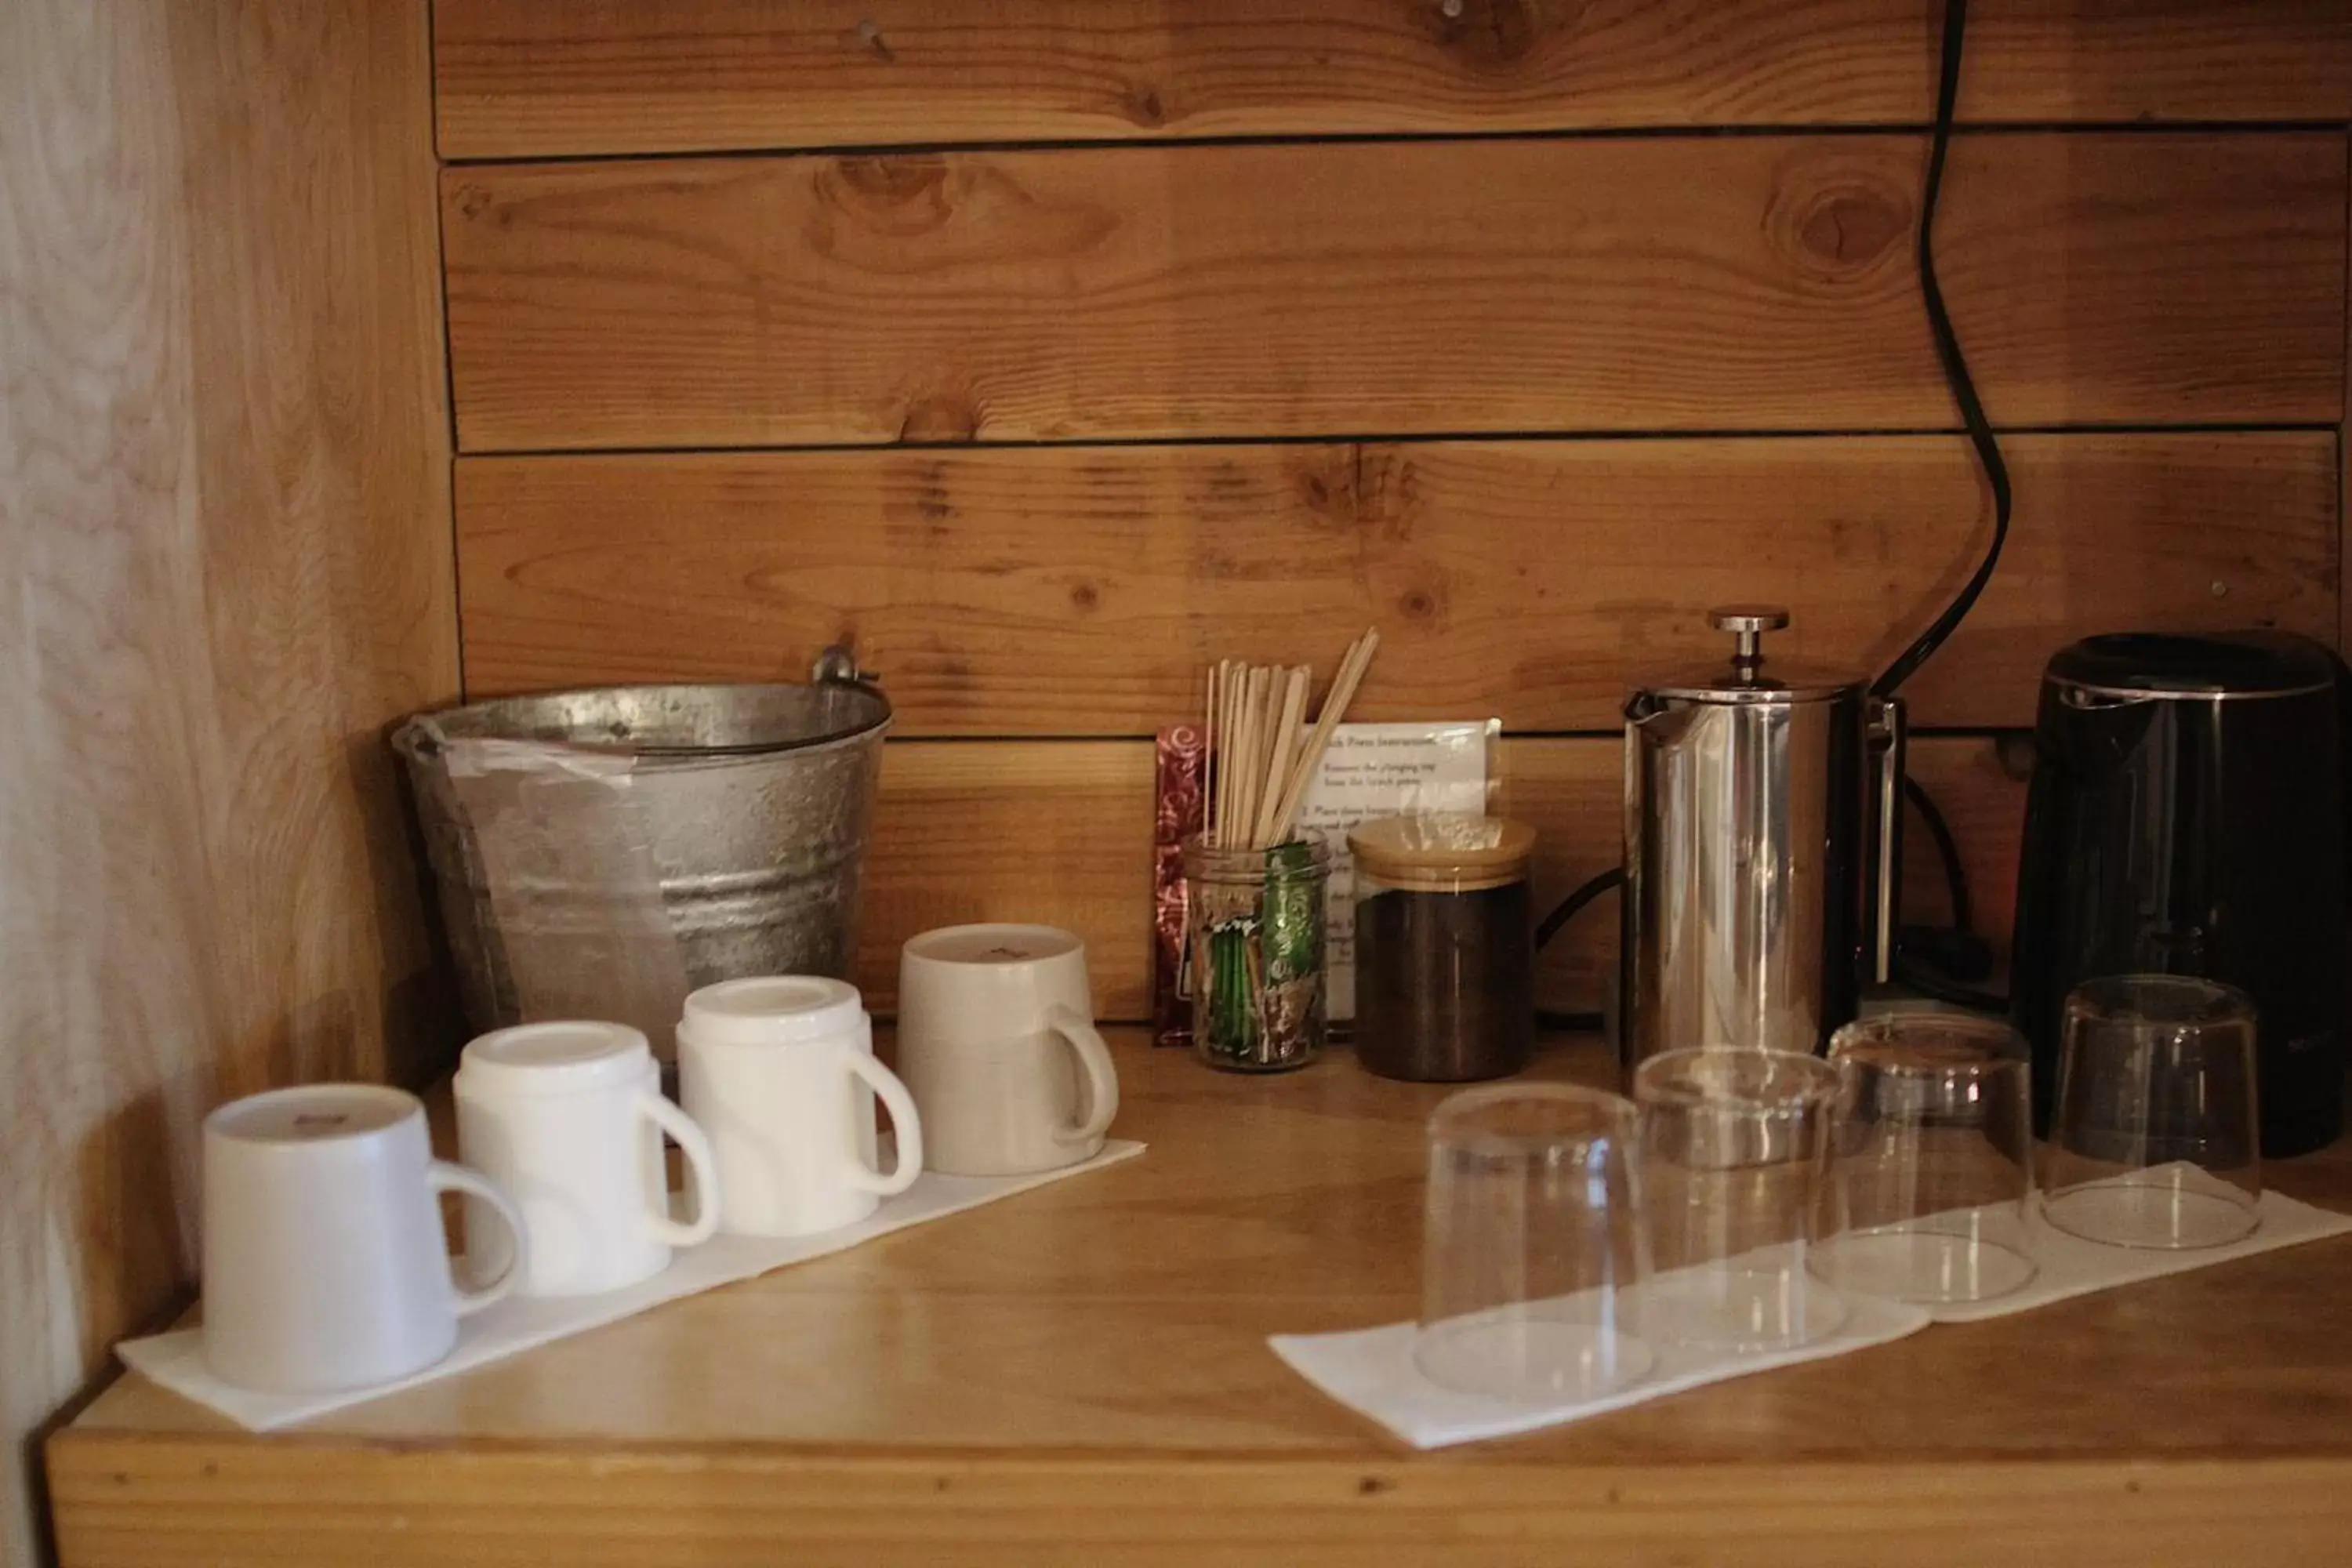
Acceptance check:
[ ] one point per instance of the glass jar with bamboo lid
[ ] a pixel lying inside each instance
(1444, 946)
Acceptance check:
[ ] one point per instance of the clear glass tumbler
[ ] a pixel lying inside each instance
(1531, 1241)
(1734, 1153)
(1931, 1160)
(2153, 1136)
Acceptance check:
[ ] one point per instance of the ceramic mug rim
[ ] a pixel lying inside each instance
(921, 948)
(221, 1122)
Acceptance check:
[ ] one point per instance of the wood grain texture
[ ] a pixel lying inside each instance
(1059, 832)
(523, 78)
(1674, 283)
(1079, 1376)
(133, 1504)
(224, 555)
(1081, 591)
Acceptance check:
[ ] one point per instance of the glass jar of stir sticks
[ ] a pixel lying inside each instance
(1254, 931)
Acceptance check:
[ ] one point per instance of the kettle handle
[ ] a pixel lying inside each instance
(1889, 740)
(2090, 700)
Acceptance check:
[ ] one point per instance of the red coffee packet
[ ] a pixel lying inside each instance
(1181, 756)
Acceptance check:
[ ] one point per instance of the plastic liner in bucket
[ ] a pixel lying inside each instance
(598, 854)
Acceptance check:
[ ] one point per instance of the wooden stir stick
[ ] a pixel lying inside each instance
(1335, 708)
(1258, 764)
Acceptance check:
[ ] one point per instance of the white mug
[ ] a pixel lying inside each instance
(569, 1117)
(780, 1073)
(997, 1044)
(325, 1266)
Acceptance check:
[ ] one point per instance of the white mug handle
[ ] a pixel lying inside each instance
(1078, 1032)
(445, 1177)
(701, 1165)
(903, 1121)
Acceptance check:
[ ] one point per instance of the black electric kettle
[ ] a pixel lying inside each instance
(2187, 817)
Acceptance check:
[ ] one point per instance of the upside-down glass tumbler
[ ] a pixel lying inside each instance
(1931, 1159)
(1531, 1244)
(1735, 1152)
(2153, 1137)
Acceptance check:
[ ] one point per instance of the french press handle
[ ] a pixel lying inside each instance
(1890, 733)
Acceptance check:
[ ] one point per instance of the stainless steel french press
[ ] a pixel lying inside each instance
(1762, 850)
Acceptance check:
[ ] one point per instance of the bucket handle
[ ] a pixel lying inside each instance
(419, 738)
(837, 666)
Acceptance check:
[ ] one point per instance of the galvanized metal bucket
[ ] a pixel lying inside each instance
(599, 853)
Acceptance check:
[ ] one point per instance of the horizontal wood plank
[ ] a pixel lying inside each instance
(1080, 590)
(1056, 833)
(525, 78)
(1676, 283)
(1060, 832)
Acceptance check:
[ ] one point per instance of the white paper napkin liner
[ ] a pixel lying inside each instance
(1371, 1371)
(2067, 1266)
(176, 1359)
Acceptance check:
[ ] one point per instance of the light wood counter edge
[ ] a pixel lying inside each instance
(124, 1499)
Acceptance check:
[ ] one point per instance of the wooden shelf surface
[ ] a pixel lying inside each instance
(1080, 1374)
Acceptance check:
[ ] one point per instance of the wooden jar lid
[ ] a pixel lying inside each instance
(1443, 851)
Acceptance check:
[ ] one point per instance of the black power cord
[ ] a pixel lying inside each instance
(1935, 959)
(1947, 851)
(1612, 877)
(1923, 647)
(1908, 968)
(1955, 368)
(1567, 911)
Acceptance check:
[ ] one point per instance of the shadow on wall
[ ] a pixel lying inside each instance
(422, 1023)
(137, 1185)
(29, 1460)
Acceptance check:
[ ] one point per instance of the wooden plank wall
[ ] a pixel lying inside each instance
(1051, 350)
(226, 562)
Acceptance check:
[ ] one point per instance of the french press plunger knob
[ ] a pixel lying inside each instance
(1748, 623)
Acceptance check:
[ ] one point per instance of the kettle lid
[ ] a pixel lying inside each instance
(1749, 677)
(2213, 664)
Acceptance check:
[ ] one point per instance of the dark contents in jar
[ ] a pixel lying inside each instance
(1444, 984)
